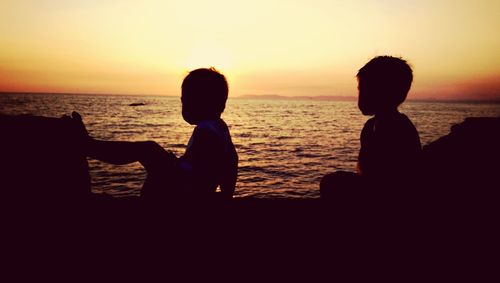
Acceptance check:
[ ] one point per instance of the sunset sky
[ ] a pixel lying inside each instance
(293, 47)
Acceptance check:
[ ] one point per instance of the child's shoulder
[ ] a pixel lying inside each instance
(215, 126)
(390, 124)
(370, 125)
(398, 127)
(212, 130)
(404, 122)
(396, 120)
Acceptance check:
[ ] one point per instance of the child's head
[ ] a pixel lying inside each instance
(383, 84)
(204, 95)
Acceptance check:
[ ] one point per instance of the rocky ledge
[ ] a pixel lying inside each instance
(42, 162)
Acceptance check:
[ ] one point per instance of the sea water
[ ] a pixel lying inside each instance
(284, 146)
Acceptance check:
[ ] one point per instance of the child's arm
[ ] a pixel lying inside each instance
(359, 171)
(365, 152)
(202, 161)
(227, 189)
(211, 164)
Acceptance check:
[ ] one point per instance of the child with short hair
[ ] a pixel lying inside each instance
(210, 160)
(390, 144)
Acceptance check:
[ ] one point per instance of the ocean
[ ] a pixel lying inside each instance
(285, 146)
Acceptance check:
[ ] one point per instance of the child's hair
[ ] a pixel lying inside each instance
(207, 88)
(389, 77)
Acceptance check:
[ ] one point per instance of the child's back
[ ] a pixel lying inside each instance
(210, 159)
(390, 146)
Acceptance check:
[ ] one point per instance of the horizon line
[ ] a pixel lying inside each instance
(266, 96)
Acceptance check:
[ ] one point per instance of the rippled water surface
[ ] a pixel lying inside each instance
(285, 146)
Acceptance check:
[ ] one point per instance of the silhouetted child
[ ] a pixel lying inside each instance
(390, 145)
(210, 160)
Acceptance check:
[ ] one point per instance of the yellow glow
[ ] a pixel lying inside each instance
(292, 47)
(208, 55)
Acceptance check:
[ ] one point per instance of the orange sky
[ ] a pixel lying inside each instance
(306, 47)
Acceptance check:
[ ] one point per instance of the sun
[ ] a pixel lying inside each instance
(208, 54)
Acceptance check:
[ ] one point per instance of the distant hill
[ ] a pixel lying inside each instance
(355, 98)
(283, 97)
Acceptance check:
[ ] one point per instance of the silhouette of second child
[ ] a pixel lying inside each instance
(210, 160)
(390, 144)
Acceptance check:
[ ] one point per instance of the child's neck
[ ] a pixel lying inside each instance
(387, 113)
(208, 119)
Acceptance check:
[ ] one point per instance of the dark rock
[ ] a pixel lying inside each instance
(466, 160)
(137, 104)
(461, 186)
(42, 161)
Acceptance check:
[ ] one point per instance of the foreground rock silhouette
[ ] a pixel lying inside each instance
(464, 162)
(460, 179)
(42, 162)
(47, 206)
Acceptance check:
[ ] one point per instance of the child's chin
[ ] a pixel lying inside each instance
(367, 112)
(188, 119)
(191, 122)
